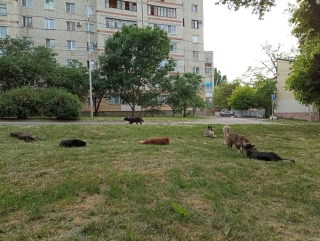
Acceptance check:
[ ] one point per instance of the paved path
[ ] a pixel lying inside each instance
(214, 120)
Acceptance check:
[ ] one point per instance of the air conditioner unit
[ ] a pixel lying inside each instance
(79, 24)
(200, 21)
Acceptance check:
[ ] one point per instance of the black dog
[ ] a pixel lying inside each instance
(252, 152)
(132, 119)
(73, 143)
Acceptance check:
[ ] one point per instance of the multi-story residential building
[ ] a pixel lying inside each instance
(68, 26)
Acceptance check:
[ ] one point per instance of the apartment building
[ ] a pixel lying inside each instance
(72, 27)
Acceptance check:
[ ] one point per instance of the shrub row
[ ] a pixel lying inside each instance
(28, 101)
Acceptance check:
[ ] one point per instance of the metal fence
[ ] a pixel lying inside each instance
(256, 113)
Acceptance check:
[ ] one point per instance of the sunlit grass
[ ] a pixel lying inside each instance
(193, 189)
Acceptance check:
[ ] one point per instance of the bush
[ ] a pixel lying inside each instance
(20, 102)
(61, 104)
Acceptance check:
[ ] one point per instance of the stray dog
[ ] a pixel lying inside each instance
(132, 119)
(73, 143)
(25, 136)
(156, 141)
(240, 141)
(209, 132)
(253, 153)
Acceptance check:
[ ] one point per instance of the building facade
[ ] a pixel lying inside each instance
(286, 105)
(72, 27)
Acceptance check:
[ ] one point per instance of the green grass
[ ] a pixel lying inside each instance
(193, 189)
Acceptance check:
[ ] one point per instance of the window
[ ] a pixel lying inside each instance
(71, 26)
(170, 29)
(3, 32)
(208, 80)
(195, 54)
(173, 47)
(91, 28)
(195, 39)
(71, 45)
(163, 63)
(71, 7)
(175, 68)
(208, 90)
(49, 24)
(27, 21)
(92, 46)
(88, 10)
(93, 65)
(49, 4)
(30, 39)
(114, 100)
(27, 3)
(161, 11)
(124, 5)
(118, 23)
(51, 43)
(194, 8)
(207, 60)
(71, 63)
(194, 24)
(196, 70)
(3, 9)
(208, 70)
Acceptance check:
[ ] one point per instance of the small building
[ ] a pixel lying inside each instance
(286, 105)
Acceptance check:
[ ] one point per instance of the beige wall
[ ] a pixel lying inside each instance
(286, 105)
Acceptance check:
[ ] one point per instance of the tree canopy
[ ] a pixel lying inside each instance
(243, 98)
(218, 78)
(222, 93)
(135, 61)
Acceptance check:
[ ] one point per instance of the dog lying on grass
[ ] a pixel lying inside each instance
(73, 143)
(253, 153)
(156, 141)
(209, 132)
(231, 138)
(132, 119)
(25, 136)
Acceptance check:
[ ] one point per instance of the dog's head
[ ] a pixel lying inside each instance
(209, 128)
(249, 146)
(126, 118)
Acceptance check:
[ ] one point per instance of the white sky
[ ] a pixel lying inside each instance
(235, 37)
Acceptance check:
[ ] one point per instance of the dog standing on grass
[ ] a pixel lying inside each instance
(209, 132)
(231, 138)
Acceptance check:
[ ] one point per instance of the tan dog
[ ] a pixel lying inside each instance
(156, 141)
(240, 141)
(209, 132)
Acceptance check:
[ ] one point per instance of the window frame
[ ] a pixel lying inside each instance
(194, 8)
(195, 24)
(26, 3)
(70, 7)
(114, 100)
(88, 7)
(196, 70)
(2, 28)
(49, 43)
(49, 5)
(195, 54)
(3, 12)
(71, 45)
(26, 21)
(71, 26)
(195, 37)
(50, 21)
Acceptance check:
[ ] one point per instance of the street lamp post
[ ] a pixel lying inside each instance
(273, 98)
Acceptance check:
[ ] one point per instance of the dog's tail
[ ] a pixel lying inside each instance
(226, 130)
(141, 119)
(141, 142)
(288, 160)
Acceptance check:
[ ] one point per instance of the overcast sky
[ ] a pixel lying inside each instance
(236, 37)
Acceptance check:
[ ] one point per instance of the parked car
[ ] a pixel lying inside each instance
(226, 113)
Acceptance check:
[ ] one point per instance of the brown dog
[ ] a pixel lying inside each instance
(156, 141)
(240, 141)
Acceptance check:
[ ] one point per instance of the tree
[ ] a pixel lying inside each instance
(222, 93)
(305, 19)
(219, 78)
(132, 62)
(150, 102)
(74, 79)
(243, 98)
(304, 79)
(182, 92)
(24, 65)
(263, 94)
(100, 89)
(197, 103)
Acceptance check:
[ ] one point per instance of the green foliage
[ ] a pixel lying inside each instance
(150, 101)
(243, 98)
(263, 94)
(74, 79)
(131, 62)
(219, 79)
(304, 79)
(23, 65)
(260, 7)
(197, 103)
(100, 89)
(183, 213)
(181, 92)
(61, 104)
(20, 102)
(222, 93)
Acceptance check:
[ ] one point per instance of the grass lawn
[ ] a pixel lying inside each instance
(193, 189)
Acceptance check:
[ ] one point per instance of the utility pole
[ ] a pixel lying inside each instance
(89, 52)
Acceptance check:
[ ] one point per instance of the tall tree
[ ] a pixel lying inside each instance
(222, 93)
(132, 61)
(218, 78)
(182, 92)
(100, 89)
(263, 95)
(243, 98)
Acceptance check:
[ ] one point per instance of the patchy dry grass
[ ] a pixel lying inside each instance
(193, 189)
